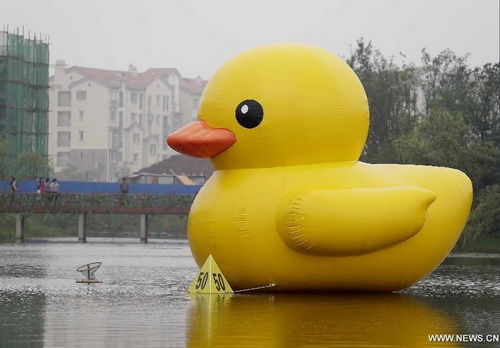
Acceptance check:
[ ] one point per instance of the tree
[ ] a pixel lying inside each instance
(444, 81)
(444, 139)
(32, 165)
(442, 113)
(72, 173)
(4, 164)
(392, 97)
(461, 130)
(485, 218)
(483, 102)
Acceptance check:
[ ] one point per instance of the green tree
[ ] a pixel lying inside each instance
(32, 165)
(392, 97)
(72, 173)
(485, 218)
(483, 102)
(460, 129)
(444, 81)
(442, 113)
(4, 164)
(445, 139)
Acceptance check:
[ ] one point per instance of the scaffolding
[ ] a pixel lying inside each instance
(24, 97)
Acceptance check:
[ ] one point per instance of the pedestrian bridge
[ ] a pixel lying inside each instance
(143, 205)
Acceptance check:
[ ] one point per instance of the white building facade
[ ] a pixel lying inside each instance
(190, 95)
(109, 124)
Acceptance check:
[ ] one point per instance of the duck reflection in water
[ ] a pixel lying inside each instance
(297, 320)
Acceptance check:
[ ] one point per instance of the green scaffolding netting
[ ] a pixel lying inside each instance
(24, 98)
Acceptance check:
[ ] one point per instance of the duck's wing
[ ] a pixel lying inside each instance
(351, 221)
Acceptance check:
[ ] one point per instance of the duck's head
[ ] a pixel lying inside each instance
(278, 105)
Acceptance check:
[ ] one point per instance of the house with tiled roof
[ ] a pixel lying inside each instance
(177, 169)
(191, 90)
(111, 123)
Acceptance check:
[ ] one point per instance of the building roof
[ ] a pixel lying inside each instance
(131, 78)
(162, 71)
(194, 86)
(181, 164)
(111, 78)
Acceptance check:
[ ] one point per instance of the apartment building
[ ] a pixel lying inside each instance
(190, 95)
(113, 123)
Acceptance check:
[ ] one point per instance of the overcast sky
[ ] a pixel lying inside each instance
(198, 36)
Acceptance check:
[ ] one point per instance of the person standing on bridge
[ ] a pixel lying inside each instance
(40, 190)
(41, 186)
(13, 190)
(53, 190)
(123, 189)
(47, 185)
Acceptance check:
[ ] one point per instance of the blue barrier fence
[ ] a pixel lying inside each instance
(106, 187)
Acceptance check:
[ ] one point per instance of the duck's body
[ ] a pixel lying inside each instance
(289, 202)
(242, 226)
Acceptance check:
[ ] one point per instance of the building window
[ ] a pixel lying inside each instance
(132, 117)
(133, 98)
(81, 95)
(81, 115)
(195, 104)
(113, 156)
(136, 157)
(63, 119)
(116, 139)
(63, 98)
(141, 97)
(158, 101)
(166, 127)
(63, 138)
(149, 102)
(62, 159)
(81, 155)
(80, 137)
(120, 99)
(152, 149)
(113, 116)
(158, 120)
(140, 118)
(177, 124)
(165, 102)
(113, 102)
(136, 138)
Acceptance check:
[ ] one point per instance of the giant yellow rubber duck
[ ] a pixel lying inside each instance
(289, 203)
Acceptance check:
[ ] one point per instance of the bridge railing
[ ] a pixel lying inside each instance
(95, 203)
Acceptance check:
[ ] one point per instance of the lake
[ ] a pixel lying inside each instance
(143, 302)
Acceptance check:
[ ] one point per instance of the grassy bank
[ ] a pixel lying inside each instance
(36, 227)
(98, 225)
(490, 244)
(160, 226)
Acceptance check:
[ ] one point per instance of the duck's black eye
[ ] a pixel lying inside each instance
(249, 113)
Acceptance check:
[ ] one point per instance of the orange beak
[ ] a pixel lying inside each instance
(198, 139)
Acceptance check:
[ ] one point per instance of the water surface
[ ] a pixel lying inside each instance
(143, 302)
